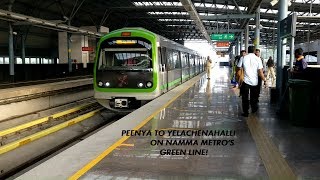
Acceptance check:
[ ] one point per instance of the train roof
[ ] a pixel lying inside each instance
(161, 38)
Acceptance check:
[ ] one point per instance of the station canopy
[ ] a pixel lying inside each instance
(171, 19)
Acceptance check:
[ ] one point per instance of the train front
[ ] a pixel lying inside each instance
(125, 70)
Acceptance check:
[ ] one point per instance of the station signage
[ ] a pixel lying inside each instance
(87, 48)
(222, 37)
(288, 26)
(222, 44)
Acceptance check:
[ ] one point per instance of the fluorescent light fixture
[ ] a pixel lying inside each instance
(273, 2)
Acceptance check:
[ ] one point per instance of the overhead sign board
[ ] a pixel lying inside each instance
(87, 48)
(222, 37)
(222, 44)
(288, 26)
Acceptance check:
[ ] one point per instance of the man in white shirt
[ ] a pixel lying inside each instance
(253, 68)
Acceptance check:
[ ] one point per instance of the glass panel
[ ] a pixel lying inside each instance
(27, 60)
(125, 54)
(176, 60)
(19, 60)
(6, 60)
(33, 60)
(45, 61)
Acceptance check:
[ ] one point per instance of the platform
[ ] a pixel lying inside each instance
(258, 147)
(42, 88)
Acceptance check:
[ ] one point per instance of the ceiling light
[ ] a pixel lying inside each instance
(273, 2)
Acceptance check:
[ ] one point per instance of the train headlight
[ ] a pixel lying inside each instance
(107, 84)
(140, 85)
(100, 83)
(149, 84)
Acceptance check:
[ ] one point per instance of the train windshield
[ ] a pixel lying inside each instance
(125, 55)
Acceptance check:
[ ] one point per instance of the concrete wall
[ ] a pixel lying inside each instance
(77, 42)
(63, 50)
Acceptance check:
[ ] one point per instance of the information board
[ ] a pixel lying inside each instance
(222, 37)
(87, 48)
(222, 44)
(288, 26)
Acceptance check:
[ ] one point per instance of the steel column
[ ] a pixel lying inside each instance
(23, 52)
(247, 38)
(236, 47)
(69, 51)
(241, 41)
(11, 50)
(239, 44)
(281, 49)
(257, 29)
(291, 53)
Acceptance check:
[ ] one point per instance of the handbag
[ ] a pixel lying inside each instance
(240, 76)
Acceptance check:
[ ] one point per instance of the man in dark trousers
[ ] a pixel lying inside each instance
(252, 67)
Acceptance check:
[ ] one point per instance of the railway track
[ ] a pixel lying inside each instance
(24, 138)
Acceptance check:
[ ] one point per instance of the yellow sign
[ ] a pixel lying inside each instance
(126, 41)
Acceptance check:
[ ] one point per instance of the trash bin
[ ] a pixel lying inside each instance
(300, 93)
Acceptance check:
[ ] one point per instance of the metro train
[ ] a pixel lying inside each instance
(134, 66)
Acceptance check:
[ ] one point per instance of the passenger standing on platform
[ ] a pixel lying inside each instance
(301, 63)
(208, 67)
(270, 64)
(252, 67)
(243, 53)
(257, 53)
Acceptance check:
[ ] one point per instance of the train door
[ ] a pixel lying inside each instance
(163, 69)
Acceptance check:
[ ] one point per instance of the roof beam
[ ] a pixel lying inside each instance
(225, 30)
(188, 5)
(45, 23)
(228, 16)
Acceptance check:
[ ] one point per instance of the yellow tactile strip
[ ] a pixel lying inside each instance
(276, 166)
(33, 137)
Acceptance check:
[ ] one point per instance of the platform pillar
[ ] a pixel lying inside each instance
(69, 51)
(257, 29)
(23, 51)
(239, 45)
(11, 50)
(241, 42)
(246, 39)
(281, 49)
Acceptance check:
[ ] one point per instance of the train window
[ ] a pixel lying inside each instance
(170, 59)
(184, 60)
(125, 58)
(191, 59)
(125, 53)
(176, 59)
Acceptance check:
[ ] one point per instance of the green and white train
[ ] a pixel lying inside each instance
(134, 66)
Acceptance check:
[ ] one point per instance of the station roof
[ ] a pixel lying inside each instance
(170, 18)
